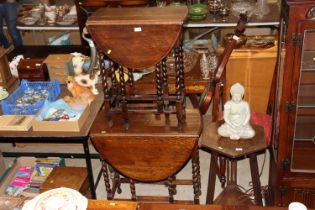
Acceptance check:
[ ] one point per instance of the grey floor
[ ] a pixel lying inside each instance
(183, 192)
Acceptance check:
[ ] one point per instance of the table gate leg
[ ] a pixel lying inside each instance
(212, 177)
(255, 178)
(196, 176)
(106, 180)
(171, 189)
(133, 190)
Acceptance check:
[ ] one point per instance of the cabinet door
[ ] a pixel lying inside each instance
(303, 147)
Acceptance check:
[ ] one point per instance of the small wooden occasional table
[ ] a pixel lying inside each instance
(233, 150)
(139, 38)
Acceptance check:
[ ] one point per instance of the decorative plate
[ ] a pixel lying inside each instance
(59, 198)
(29, 21)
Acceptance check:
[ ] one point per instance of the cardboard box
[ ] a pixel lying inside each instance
(59, 66)
(69, 126)
(16, 122)
(8, 175)
(254, 69)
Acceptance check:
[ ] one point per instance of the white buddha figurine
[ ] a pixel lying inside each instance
(236, 116)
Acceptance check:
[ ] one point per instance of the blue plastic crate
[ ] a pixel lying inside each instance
(9, 105)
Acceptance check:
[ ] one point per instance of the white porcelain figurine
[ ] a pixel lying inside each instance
(236, 116)
(77, 62)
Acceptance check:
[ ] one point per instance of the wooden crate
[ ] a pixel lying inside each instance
(254, 69)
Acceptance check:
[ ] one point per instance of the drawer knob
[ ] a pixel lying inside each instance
(310, 14)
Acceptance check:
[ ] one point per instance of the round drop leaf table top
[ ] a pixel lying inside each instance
(137, 38)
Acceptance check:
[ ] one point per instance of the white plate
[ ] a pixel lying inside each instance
(59, 198)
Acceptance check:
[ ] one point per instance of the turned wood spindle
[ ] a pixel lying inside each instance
(124, 107)
(106, 180)
(131, 80)
(159, 84)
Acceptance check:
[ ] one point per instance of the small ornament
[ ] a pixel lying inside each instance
(213, 63)
(204, 67)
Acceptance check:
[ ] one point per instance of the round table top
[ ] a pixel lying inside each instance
(137, 38)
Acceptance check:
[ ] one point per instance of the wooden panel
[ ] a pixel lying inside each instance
(304, 196)
(307, 77)
(71, 177)
(305, 123)
(136, 37)
(308, 62)
(152, 149)
(302, 156)
(146, 158)
(309, 40)
(135, 49)
(306, 94)
(111, 205)
(148, 124)
(158, 206)
(307, 90)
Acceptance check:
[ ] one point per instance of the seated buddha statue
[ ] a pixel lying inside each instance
(236, 116)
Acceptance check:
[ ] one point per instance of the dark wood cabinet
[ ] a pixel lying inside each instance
(294, 116)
